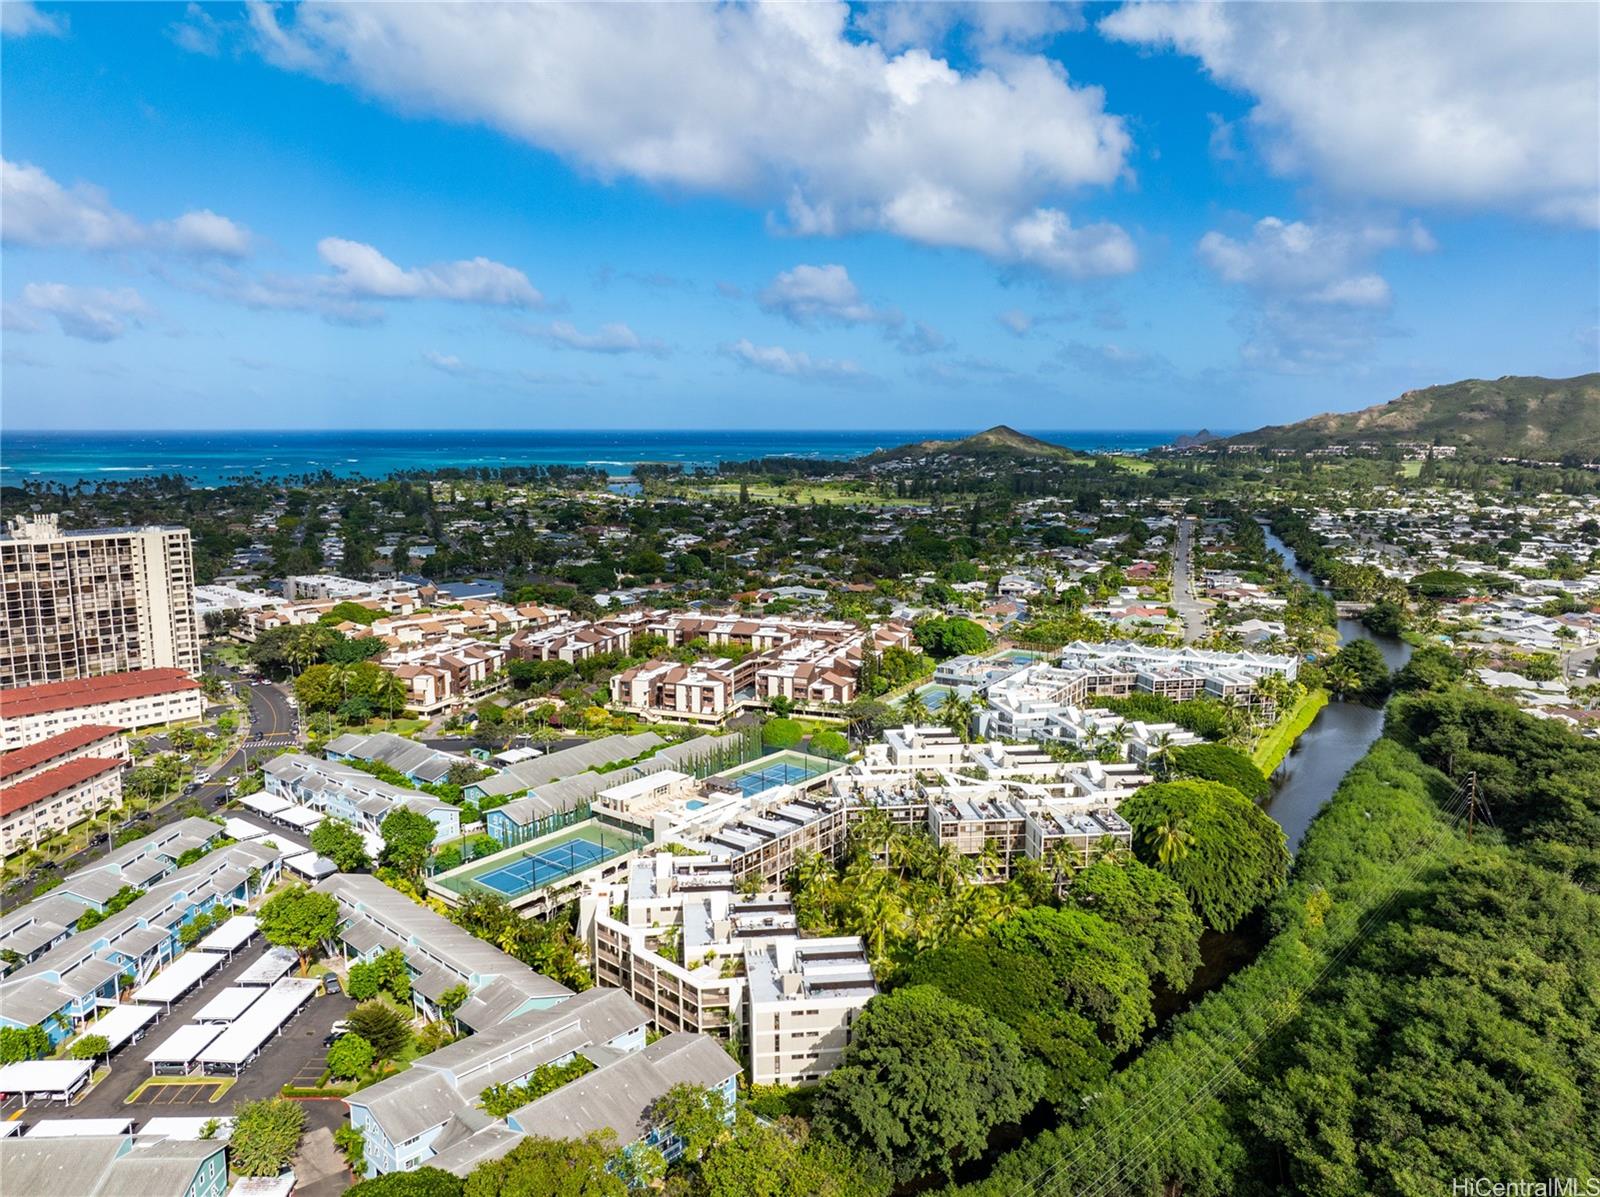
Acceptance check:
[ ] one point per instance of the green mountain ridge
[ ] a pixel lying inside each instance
(1000, 441)
(1514, 416)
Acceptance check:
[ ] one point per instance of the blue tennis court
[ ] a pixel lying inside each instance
(542, 867)
(780, 771)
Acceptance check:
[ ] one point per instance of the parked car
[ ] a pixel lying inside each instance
(338, 1028)
(200, 779)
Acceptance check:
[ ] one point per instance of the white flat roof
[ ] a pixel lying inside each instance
(43, 1076)
(301, 817)
(266, 804)
(184, 1128)
(184, 1044)
(228, 1004)
(78, 1128)
(273, 964)
(178, 978)
(244, 1037)
(231, 935)
(236, 828)
(121, 1023)
(7, 1129)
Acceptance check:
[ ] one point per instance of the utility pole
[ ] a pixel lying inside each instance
(1472, 802)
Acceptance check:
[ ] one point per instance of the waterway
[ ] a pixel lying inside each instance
(1338, 737)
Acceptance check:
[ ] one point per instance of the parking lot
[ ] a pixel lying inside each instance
(181, 1093)
(294, 1056)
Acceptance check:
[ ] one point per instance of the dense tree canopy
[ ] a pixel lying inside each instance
(1150, 909)
(1228, 856)
(341, 843)
(1219, 762)
(549, 1168)
(924, 1081)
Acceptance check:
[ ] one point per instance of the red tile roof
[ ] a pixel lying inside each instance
(34, 755)
(53, 782)
(82, 692)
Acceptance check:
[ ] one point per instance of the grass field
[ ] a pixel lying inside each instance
(1275, 745)
(1134, 465)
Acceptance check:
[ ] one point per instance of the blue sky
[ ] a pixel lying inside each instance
(886, 216)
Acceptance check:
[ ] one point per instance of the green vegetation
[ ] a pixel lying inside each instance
(350, 1056)
(1228, 856)
(407, 837)
(23, 1043)
(386, 971)
(1415, 982)
(341, 843)
(386, 1031)
(265, 1136)
(551, 947)
(924, 1082)
(944, 638)
(1270, 750)
(1543, 418)
(550, 1168)
(1218, 762)
(499, 1100)
(299, 918)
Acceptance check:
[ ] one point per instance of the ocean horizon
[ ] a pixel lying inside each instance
(211, 458)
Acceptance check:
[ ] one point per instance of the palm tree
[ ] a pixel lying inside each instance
(1160, 753)
(913, 709)
(1171, 838)
(307, 645)
(956, 714)
(390, 694)
(879, 912)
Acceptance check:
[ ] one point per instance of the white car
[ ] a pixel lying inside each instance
(202, 778)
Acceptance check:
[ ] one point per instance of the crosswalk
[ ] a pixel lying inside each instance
(274, 740)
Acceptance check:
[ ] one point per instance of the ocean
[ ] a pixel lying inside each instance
(211, 458)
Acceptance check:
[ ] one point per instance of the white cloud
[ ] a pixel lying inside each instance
(448, 363)
(19, 18)
(772, 104)
(994, 24)
(198, 32)
(37, 210)
(1318, 262)
(1045, 238)
(205, 233)
(1493, 105)
(89, 313)
(361, 272)
(1110, 360)
(793, 363)
(608, 338)
(814, 295)
(1312, 299)
(1016, 321)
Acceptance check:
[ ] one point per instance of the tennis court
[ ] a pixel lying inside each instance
(542, 867)
(785, 769)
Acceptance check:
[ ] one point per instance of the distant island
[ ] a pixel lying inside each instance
(1189, 441)
(1522, 416)
(1000, 441)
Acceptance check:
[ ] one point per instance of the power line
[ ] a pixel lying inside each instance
(1188, 1072)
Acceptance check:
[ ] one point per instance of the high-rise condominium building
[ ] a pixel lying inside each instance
(81, 604)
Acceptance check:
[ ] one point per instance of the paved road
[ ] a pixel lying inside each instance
(1189, 608)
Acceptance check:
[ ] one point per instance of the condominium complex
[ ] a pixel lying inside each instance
(145, 698)
(53, 784)
(675, 935)
(82, 604)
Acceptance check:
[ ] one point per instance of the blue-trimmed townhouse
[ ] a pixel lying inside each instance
(342, 791)
(410, 1118)
(64, 987)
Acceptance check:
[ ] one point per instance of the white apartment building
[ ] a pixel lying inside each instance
(82, 604)
(676, 936)
(147, 698)
(54, 784)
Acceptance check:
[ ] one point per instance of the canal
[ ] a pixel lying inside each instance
(1338, 738)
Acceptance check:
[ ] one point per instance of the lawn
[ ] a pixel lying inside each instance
(1275, 745)
(1134, 465)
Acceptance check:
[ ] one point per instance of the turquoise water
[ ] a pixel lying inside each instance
(210, 458)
